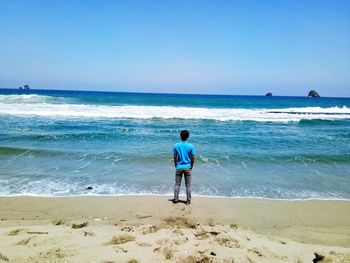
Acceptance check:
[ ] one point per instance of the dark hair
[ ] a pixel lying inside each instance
(184, 134)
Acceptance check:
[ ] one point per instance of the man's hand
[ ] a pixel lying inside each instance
(175, 160)
(192, 161)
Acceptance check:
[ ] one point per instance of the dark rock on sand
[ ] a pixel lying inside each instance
(317, 258)
(269, 94)
(313, 94)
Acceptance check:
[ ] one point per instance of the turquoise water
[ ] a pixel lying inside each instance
(58, 143)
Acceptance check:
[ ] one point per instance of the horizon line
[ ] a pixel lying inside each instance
(169, 93)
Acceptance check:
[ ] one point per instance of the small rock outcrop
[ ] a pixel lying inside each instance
(313, 94)
(269, 94)
(24, 87)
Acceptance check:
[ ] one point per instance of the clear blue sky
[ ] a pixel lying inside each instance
(226, 47)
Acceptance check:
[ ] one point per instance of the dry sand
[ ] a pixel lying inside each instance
(152, 229)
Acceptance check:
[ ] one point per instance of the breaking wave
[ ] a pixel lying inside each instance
(27, 98)
(47, 109)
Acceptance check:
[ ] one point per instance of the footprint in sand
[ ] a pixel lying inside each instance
(179, 222)
(196, 259)
(120, 250)
(3, 257)
(201, 235)
(143, 244)
(24, 242)
(180, 241)
(77, 226)
(167, 252)
(56, 255)
(163, 241)
(157, 249)
(149, 229)
(178, 232)
(58, 222)
(172, 242)
(227, 241)
(256, 251)
(88, 234)
(228, 260)
(265, 253)
(127, 229)
(234, 226)
(116, 240)
(16, 232)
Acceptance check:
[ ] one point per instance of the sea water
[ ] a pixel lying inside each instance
(57, 143)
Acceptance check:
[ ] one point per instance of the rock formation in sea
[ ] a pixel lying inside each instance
(269, 94)
(313, 93)
(26, 87)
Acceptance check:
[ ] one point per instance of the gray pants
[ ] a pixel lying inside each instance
(178, 176)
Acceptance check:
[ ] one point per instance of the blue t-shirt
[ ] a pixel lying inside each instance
(184, 151)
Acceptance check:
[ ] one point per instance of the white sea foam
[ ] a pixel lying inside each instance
(313, 110)
(170, 112)
(26, 98)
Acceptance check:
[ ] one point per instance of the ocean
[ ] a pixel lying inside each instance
(58, 143)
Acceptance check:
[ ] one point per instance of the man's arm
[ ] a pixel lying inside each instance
(193, 152)
(175, 159)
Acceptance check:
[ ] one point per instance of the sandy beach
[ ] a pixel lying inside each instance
(152, 229)
(109, 110)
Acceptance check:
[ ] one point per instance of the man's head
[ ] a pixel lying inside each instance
(184, 134)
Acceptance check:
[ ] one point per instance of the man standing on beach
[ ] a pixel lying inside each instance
(184, 160)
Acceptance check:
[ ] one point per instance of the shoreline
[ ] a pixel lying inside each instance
(240, 229)
(169, 195)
